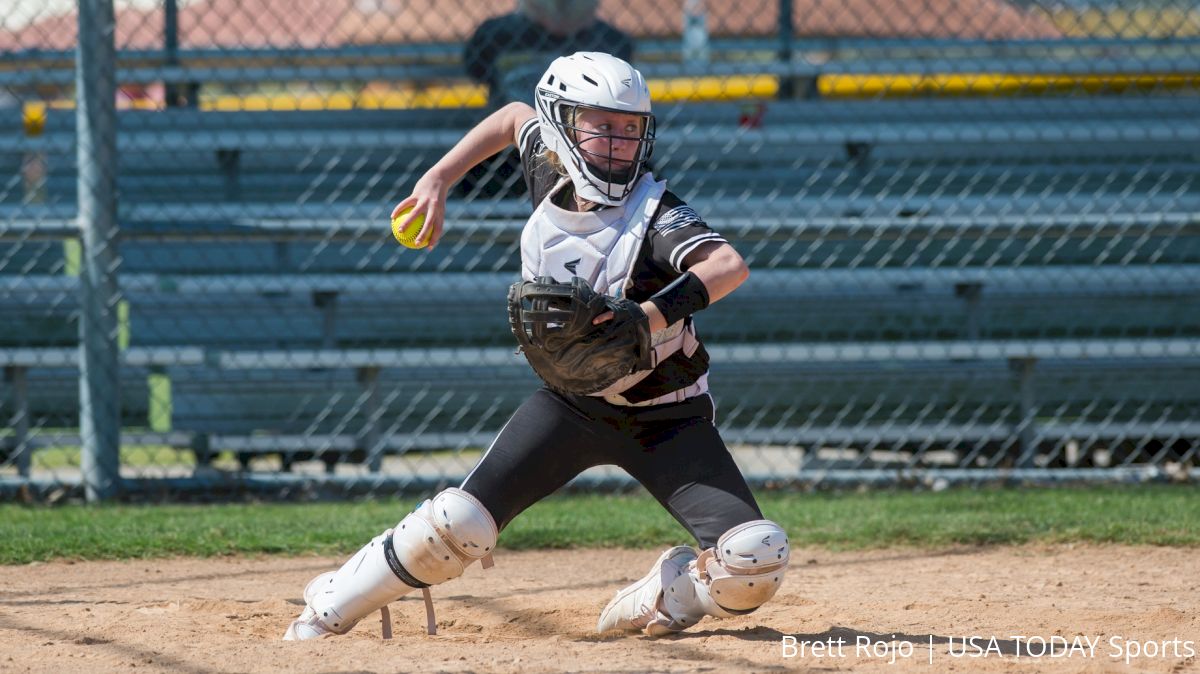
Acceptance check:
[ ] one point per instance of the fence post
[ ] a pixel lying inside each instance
(787, 83)
(372, 436)
(1027, 430)
(22, 448)
(171, 50)
(96, 151)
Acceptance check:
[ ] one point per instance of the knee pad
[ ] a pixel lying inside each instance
(441, 538)
(740, 574)
(747, 566)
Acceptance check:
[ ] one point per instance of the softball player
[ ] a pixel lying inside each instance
(600, 215)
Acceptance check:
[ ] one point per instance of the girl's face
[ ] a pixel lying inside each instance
(602, 134)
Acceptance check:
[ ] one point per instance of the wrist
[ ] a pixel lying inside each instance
(437, 179)
(681, 298)
(657, 320)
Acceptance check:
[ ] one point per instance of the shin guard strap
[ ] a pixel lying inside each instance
(389, 553)
(385, 616)
(430, 619)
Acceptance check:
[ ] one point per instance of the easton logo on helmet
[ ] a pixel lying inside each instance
(572, 265)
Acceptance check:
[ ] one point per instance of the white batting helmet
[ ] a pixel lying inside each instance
(604, 82)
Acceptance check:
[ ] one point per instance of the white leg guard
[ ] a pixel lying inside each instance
(742, 573)
(431, 545)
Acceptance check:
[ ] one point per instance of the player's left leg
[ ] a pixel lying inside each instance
(743, 557)
(433, 544)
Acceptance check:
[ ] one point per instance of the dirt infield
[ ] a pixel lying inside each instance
(536, 611)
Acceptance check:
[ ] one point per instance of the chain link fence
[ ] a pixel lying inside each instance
(974, 230)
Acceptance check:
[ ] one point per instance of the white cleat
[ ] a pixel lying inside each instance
(309, 625)
(638, 607)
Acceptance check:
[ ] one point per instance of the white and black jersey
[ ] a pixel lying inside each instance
(675, 231)
(672, 448)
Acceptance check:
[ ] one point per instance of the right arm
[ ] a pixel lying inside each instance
(490, 136)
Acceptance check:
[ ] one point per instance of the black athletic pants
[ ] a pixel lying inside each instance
(673, 450)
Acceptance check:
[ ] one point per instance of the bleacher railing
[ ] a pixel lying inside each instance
(974, 236)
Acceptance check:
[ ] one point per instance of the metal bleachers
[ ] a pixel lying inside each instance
(333, 366)
(835, 306)
(824, 152)
(995, 278)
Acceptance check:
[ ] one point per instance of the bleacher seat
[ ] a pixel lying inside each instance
(1013, 253)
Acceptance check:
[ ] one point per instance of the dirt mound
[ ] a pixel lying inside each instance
(997, 609)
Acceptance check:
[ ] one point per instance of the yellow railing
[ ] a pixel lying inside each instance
(734, 88)
(696, 89)
(475, 96)
(994, 84)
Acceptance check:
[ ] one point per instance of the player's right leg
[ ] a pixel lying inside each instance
(433, 544)
(742, 557)
(545, 444)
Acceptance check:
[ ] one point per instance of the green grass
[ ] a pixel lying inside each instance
(1144, 515)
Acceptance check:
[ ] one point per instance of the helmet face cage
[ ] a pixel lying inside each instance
(599, 169)
(603, 165)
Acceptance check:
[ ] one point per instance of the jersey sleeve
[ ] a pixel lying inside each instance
(677, 229)
(529, 142)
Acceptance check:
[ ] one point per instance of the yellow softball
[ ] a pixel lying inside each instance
(408, 235)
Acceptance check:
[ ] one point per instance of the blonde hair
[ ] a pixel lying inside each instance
(551, 157)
